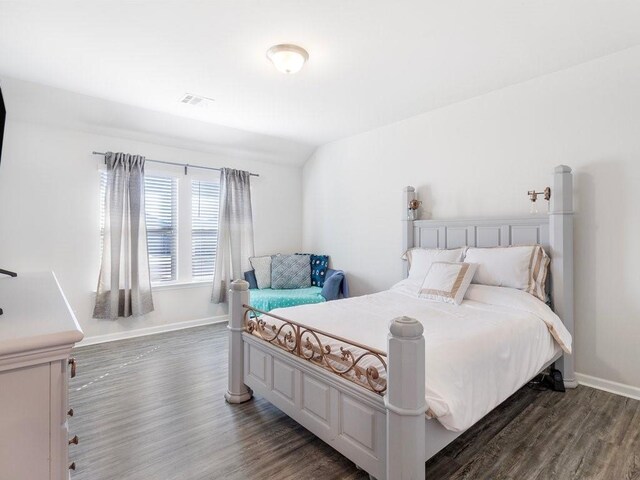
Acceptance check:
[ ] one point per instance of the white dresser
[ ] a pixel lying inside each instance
(37, 332)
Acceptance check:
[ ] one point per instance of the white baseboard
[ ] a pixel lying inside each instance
(140, 332)
(609, 386)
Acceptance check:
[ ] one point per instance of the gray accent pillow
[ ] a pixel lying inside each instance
(262, 268)
(290, 271)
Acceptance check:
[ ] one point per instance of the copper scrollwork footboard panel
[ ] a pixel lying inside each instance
(360, 364)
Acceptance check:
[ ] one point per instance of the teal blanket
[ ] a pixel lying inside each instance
(267, 299)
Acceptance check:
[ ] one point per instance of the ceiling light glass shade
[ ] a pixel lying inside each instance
(287, 58)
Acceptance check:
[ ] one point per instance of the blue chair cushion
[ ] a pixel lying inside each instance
(331, 287)
(267, 299)
(250, 277)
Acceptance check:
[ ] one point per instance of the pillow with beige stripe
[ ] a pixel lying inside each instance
(420, 259)
(521, 267)
(447, 282)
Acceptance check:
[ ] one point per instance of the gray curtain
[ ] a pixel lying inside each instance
(235, 231)
(124, 285)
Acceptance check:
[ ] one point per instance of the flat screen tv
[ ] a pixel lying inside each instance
(3, 115)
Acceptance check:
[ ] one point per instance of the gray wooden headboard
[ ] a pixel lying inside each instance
(554, 231)
(490, 232)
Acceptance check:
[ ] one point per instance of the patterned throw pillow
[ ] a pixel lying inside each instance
(290, 271)
(319, 265)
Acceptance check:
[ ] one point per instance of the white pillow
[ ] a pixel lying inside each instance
(447, 282)
(420, 259)
(521, 267)
(262, 268)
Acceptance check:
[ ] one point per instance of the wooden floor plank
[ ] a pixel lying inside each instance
(153, 408)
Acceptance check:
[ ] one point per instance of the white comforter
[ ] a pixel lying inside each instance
(477, 354)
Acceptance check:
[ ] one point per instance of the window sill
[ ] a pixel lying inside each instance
(180, 285)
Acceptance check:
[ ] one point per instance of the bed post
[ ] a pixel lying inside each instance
(408, 194)
(237, 391)
(561, 240)
(405, 400)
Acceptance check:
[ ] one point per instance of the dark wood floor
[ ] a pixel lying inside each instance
(153, 408)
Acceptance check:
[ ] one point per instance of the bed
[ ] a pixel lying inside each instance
(359, 373)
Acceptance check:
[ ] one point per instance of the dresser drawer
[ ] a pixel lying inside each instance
(25, 423)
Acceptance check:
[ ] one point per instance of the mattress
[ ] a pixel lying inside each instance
(477, 353)
(267, 299)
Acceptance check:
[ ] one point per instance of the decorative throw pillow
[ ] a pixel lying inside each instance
(447, 282)
(420, 259)
(250, 278)
(521, 267)
(291, 271)
(262, 269)
(319, 265)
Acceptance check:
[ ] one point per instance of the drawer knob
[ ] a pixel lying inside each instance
(72, 466)
(74, 365)
(74, 440)
(70, 412)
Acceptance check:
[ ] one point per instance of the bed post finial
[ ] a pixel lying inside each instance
(408, 194)
(405, 400)
(561, 241)
(237, 391)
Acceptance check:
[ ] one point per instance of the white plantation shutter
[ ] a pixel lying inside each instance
(205, 198)
(161, 201)
(160, 196)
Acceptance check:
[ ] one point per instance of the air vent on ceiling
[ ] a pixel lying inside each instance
(195, 100)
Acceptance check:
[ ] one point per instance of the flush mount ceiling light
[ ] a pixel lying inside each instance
(287, 58)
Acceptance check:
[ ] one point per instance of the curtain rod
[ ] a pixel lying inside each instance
(185, 165)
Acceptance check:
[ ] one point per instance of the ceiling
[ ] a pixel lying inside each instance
(372, 62)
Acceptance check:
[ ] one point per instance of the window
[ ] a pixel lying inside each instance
(160, 197)
(182, 225)
(161, 201)
(204, 227)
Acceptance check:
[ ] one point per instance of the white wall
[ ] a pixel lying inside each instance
(49, 206)
(479, 158)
